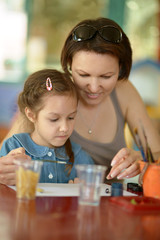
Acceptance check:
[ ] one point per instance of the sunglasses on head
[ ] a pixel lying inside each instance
(86, 32)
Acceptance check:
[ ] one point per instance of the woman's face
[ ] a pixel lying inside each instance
(95, 75)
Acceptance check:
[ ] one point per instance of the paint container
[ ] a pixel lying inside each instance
(117, 189)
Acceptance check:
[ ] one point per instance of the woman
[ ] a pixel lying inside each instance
(98, 55)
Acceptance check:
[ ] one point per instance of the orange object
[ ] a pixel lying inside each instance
(151, 179)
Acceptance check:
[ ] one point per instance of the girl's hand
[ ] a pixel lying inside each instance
(125, 164)
(17, 151)
(8, 167)
(76, 180)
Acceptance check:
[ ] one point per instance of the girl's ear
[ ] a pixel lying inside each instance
(30, 115)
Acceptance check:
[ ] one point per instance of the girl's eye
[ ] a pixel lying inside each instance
(71, 118)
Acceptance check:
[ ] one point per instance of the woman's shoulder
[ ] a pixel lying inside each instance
(126, 93)
(125, 87)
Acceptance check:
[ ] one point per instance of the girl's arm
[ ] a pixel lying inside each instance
(8, 167)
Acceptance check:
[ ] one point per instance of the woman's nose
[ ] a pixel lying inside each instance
(93, 85)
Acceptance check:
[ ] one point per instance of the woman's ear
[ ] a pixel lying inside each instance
(30, 115)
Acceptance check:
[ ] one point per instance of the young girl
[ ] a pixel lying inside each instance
(49, 101)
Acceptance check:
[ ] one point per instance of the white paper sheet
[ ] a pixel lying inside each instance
(59, 189)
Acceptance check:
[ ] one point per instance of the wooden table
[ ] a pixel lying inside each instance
(48, 218)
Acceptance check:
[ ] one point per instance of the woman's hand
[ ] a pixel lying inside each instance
(8, 167)
(76, 180)
(125, 164)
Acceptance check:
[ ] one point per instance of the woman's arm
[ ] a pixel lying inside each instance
(137, 117)
(125, 163)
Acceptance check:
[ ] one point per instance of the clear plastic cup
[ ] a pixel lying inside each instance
(91, 177)
(27, 177)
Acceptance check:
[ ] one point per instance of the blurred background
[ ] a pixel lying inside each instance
(33, 33)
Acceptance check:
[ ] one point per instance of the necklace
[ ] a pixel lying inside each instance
(89, 127)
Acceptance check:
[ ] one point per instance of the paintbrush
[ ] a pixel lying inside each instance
(55, 161)
(148, 150)
(139, 145)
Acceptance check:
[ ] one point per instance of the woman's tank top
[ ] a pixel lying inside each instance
(103, 153)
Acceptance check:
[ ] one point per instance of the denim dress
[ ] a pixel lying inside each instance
(54, 159)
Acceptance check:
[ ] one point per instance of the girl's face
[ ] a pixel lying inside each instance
(95, 75)
(55, 122)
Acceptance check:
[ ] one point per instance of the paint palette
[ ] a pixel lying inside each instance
(136, 203)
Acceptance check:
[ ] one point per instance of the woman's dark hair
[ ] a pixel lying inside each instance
(97, 44)
(35, 90)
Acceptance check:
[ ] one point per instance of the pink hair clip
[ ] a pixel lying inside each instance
(48, 84)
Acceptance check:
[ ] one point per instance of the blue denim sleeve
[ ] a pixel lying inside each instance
(5, 149)
(8, 145)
